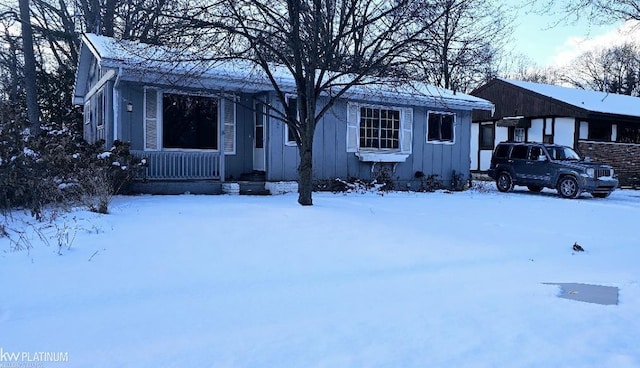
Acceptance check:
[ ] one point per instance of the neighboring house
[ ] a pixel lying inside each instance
(198, 130)
(600, 125)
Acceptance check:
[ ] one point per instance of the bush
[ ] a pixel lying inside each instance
(429, 183)
(58, 167)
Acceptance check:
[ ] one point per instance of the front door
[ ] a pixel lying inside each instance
(258, 138)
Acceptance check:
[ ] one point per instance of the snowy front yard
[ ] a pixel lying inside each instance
(358, 280)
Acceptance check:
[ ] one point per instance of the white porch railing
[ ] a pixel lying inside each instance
(176, 165)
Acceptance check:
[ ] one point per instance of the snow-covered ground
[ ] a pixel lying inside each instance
(358, 280)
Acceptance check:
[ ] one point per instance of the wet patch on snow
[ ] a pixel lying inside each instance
(605, 295)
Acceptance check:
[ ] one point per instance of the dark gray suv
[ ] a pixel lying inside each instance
(538, 165)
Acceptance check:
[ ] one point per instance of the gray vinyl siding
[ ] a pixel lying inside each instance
(331, 159)
(132, 128)
(242, 160)
(108, 113)
(131, 123)
(282, 160)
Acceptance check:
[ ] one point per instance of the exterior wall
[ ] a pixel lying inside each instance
(131, 128)
(564, 131)
(481, 158)
(242, 161)
(331, 159)
(485, 160)
(536, 130)
(282, 160)
(475, 150)
(625, 158)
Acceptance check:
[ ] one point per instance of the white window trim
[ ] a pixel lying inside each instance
(159, 120)
(366, 154)
(453, 133)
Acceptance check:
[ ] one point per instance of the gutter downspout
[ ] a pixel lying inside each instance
(116, 104)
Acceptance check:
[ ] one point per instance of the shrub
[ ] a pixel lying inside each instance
(59, 167)
(429, 183)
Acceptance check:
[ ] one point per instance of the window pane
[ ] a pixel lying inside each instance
(535, 153)
(519, 152)
(518, 135)
(440, 127)
(433, 132)
(446, 130)
(599, 132)
(628, 134)
(379, 128)
(486, 136)
(502, 151)
(292, 113)
(259, 125)
(189, 122)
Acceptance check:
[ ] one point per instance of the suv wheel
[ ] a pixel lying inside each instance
(568, 187)
(534, 188)
(504, 182)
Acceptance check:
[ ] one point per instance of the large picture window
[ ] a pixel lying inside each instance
(440, 126)
(189, 122)
(628, 134)
(599, 132)
(379, 128)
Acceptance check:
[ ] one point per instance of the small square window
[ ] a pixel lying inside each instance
(440, 126)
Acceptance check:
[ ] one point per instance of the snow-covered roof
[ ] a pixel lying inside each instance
(150, 62)
(594, 101)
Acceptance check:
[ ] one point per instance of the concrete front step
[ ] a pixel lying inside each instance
(253, 188)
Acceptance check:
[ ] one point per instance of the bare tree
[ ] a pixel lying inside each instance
(521, 67)
(10, 60)
(597, 11)
(615, 70)
(462, 47)
(33, 112)
(325, 47)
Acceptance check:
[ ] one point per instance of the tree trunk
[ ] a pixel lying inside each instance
(33, 111)
(305, 170)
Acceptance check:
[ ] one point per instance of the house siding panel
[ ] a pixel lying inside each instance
(475, 152)
(537, 129)
(238, 163)
(564, 131)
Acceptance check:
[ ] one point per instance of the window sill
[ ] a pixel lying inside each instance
(382, 157)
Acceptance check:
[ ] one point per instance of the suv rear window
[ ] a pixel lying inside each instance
(502, 151)
(519, 152)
